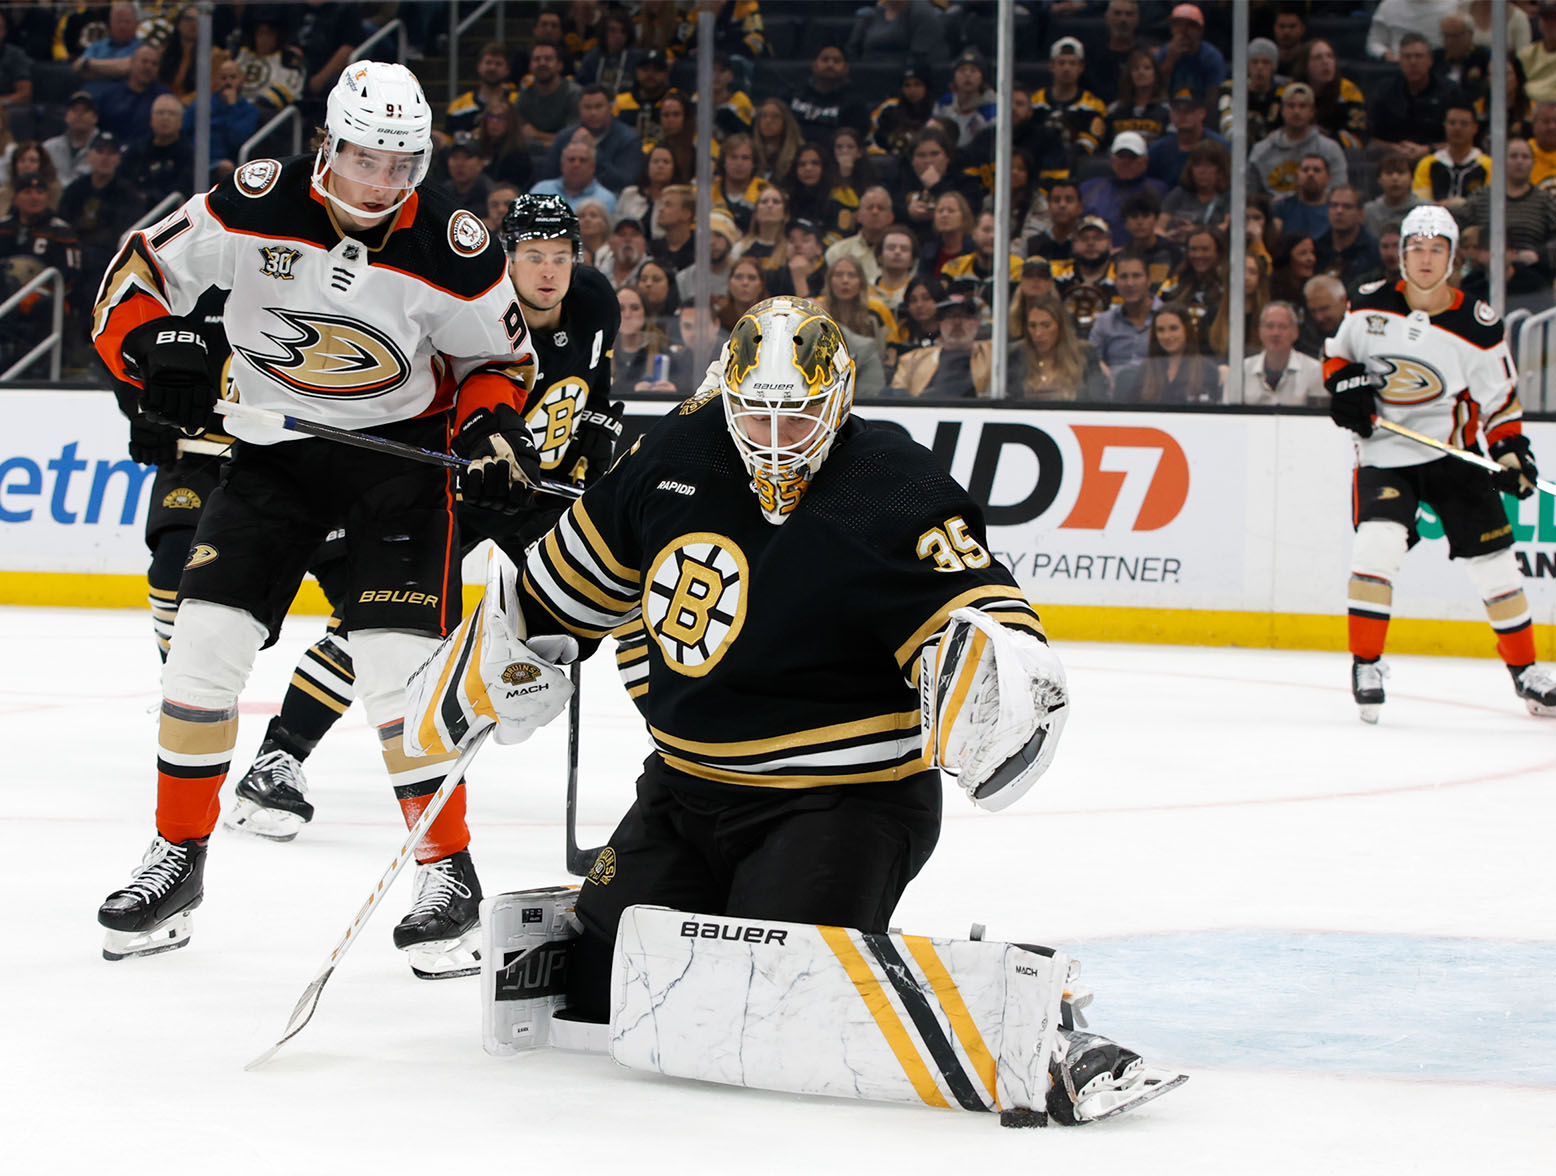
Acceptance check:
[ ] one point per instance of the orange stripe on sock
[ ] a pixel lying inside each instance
(448, 834)
(1517, 648)
(1367, 635)
(188, 807)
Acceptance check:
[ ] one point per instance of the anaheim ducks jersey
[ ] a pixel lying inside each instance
(771, 656)
(351, 330)
(1449, 375)
(572, 363)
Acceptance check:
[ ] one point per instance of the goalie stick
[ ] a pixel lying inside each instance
(302, 1013)
(1485, 463)
(280, 420)
(579, 861)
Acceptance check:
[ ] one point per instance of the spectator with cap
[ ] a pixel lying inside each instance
(162, 163)
(1121, 334)
(1305, 213)
(548, 101)
(955, 368)
(1170, 154)
(971, 102)
(898, 30)
(722, 236)
(618, 152)
(827, 100)
(32, 239)
(804, 267)
(124, 107)
(624, 254)
(107, 59)
(69, 148)
(1458, 168)
(492, 85)
(1274, 160)
(896, 122)
(638, 106)
(1075, 112)
(733, 110)
(872, 219)
(1407, 110)
(1394, 20)
(1141, 105)
(464, 179)
(1188, 60)
(1278, 373)
(1108, 57)
(1346, 249)
(1085, 283)
(1263, 102)
(100, 206)
(1104, 196)
(1539, 57)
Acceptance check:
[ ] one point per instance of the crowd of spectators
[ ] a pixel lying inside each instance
(852, 162)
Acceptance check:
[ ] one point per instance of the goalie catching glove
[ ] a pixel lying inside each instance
(1520, 473)
(504, 466)
(485, 672)
(993, 703)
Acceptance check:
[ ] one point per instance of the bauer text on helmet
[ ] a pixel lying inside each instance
(788, 387)
(378, 141)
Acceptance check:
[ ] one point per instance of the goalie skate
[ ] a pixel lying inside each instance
(441, 933)
(1536, 685)
(1094, 1078)
(152, 913)
(270, 799)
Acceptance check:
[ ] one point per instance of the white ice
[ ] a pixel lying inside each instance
(1346, 934)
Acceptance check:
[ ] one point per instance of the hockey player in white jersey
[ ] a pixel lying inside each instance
(1418, 353)
(360, 300)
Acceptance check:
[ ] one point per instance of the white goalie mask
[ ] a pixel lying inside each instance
(1428, 220)
(788, 387)
(377, 106)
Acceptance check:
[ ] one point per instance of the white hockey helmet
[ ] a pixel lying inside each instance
(788, 387)
(377, 105)
(1429, 220)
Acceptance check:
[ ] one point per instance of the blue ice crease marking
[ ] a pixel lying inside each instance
(1408, 1006)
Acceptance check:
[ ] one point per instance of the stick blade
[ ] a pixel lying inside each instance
(301, 1015)
(581, 861)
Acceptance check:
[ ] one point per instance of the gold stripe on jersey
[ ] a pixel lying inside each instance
(881, 748)
(1010, 600)
(570, 573)
(133, 271)
(1511, 409)
(573, 575)
(908, 1056)
(596, 542)
(813, 738)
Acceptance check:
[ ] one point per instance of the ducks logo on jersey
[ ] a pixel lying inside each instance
(330, 356)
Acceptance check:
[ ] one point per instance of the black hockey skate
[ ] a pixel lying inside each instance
(151, 914)
(1536, 685)
(1093, 1078)
(1367, 687)
(271, 796)
(442, 930)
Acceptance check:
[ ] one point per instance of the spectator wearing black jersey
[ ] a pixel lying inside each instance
(1407, 110)
(827, 101)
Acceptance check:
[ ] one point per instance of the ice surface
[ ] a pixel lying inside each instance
(1347, 934)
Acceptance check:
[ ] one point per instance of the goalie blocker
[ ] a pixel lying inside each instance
(794, 1007)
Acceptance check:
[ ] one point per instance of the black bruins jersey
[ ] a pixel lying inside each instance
(771, 656)
(572, 364)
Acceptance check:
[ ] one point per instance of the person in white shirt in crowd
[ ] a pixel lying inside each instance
(1279, 373)
(68, 148)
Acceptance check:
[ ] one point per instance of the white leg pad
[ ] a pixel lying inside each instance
(384, 660)
(1379, 549)
(833, 1011)
(524, 952)
(1495, 574)
(211, 654)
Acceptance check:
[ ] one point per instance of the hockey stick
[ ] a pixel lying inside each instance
(280, 420)
(1484, 463)
(303, 1012)
(579, 861)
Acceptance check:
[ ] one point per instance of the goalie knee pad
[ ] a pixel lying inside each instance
(384, 660)
(211, 654)
(828, 1010)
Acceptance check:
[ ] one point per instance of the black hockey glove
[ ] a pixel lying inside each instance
(151, 443)
(504, 466)
(594, 443)
(1351, 401)
(174, 365)
(1519, 472)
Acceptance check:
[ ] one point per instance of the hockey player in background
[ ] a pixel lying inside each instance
(796, 576)
(1418, 353)
(353, 292)
(572, 315)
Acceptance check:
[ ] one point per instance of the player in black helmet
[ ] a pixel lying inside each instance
(572, 315)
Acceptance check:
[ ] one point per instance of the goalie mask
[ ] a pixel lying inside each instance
(379, 107)
(788, 386)
(1423, 223)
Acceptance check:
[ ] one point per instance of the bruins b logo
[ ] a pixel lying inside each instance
(330, 355)
(694, 600)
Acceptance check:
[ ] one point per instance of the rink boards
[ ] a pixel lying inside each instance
(1194, 528)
